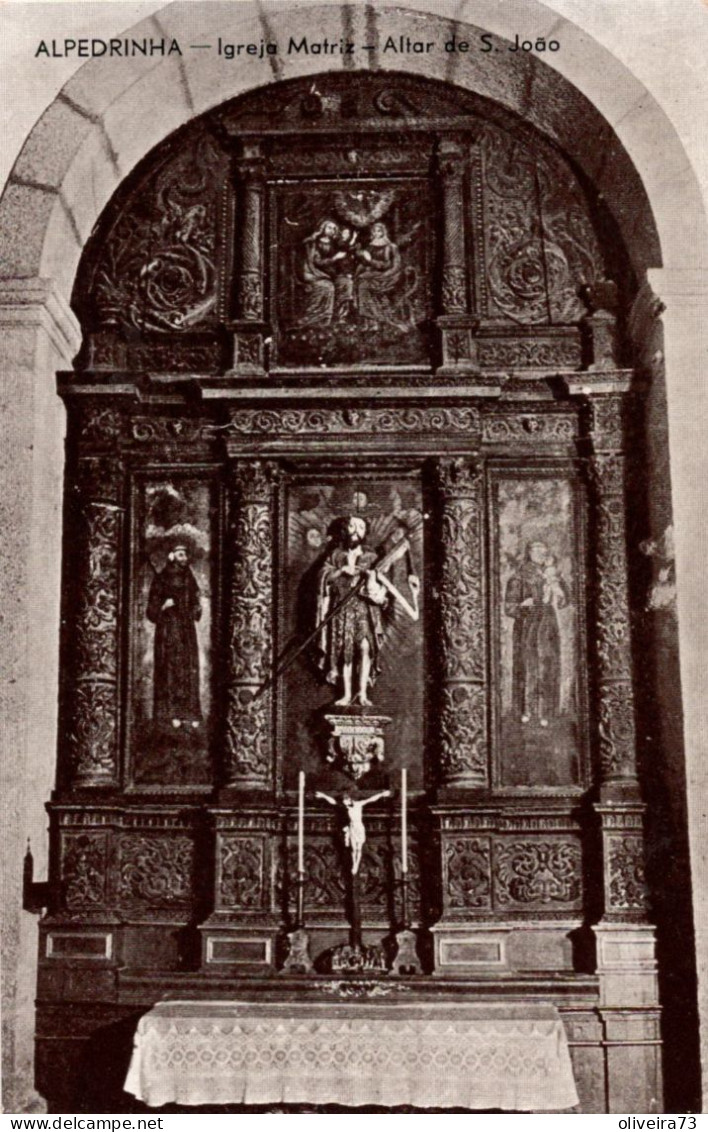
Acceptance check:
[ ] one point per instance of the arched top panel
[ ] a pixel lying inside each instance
(345, 215)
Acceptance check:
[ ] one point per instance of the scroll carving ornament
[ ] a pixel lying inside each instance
(463, 740)
(250, 295)
(326, 888)
(97, 621)
(537, 873)
(295, 422)
(158, 269)
(252, 480)
(93, 735)
(241, 872)
(95, 708)
(539, 239)
(454, 289)
(156, 871)
(458, 477)
(529, 427)
(249, 350)
(251, 592)
(325, 877)
(150, 429)
(100, 423)
(530, 354)
(607, 426)
(84, 870)
(616, 730)
(248, 732)
(248, 735)
(468, 873)
(626, 885)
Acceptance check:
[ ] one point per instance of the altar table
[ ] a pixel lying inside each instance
(442, 1055)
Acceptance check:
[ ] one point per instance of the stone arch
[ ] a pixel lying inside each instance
(96, 131)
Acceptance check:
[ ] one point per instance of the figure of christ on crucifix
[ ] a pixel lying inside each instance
(353, 592)
(354, 831)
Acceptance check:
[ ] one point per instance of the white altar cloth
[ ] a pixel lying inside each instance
(444, 1055)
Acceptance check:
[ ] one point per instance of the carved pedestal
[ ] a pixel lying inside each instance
(240, 935)
(357, 742)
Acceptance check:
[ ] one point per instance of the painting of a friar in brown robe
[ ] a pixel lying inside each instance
(533, 595)
(174, 607)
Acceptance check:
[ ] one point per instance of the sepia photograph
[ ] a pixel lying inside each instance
(354, 620)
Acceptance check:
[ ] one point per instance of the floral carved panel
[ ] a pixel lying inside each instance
(540, 245)
(537, 873)
(156, 871)
(159, 257)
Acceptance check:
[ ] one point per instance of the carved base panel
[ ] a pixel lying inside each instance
(626, 964)
(464, 949)
(230, 949)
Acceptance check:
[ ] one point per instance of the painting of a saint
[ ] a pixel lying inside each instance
(174, 606)
(172, 636)
(322, 254)
(540, 680)
(533, 595)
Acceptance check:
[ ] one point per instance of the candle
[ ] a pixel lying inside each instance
(301, 822)
(404, 820)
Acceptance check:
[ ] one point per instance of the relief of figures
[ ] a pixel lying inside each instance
(353, 286)
(538, 633)
(172, 631)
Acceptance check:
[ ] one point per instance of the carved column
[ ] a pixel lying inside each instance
(617, 747)
(249, 737)
(626, 962)
(463, 721)
(93, 736)
(248, 339)
(456, 326)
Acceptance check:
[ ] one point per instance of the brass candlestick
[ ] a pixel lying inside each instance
(406, 961)
(298, 961)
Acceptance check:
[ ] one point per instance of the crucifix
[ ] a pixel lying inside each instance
(354, 838)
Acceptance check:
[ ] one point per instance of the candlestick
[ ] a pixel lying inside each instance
(404, 820)
(301, 822)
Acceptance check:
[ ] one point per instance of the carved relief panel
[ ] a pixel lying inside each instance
(538, 612)
(174, 572)
(351, 267)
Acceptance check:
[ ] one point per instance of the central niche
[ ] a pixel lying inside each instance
(353, 264)
(325, 515)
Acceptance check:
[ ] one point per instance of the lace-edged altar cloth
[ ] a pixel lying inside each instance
(442, 1055)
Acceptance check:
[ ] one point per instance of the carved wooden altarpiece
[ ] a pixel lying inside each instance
(387, 299)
